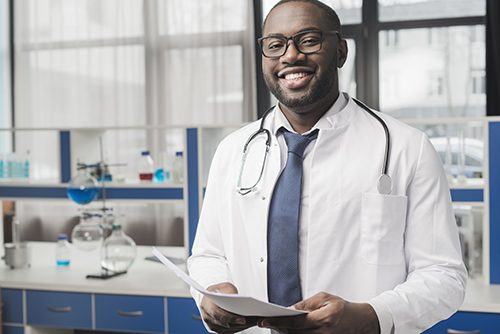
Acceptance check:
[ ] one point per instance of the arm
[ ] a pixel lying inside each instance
(435, 284)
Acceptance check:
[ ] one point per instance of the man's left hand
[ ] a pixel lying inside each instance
(327, 314)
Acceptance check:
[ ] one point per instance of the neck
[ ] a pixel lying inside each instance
(302, 119)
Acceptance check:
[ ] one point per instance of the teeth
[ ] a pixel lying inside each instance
(294, 76)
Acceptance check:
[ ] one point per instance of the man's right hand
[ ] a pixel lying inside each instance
(222, 321)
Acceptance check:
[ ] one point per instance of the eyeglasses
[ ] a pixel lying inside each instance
(306, 42)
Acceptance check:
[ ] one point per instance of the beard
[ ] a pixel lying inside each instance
(318, 89)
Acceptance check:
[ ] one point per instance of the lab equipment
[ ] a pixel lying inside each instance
(118, 251)
(146, 166)
(17, 253)
(162, 171)
(384, 185)
(63, 251)
(88, 234)
(83, 188)
(178, 167)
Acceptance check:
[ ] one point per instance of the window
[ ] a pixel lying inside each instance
(436, 84)
(5, 113)
(478, 82)
(390, 38)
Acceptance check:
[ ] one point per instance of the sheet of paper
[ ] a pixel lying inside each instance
(238, 304)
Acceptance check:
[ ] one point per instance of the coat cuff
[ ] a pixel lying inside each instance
(384, 316)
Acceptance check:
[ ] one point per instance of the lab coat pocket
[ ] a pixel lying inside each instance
(383, 220)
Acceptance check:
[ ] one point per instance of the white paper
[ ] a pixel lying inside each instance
(238, 304)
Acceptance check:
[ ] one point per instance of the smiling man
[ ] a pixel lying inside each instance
(348, 217)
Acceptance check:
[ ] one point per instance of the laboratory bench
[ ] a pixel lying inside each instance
(46, 299)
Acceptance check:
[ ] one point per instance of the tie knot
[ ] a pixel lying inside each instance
(297, 143)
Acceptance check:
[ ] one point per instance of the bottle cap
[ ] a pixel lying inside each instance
(146, 152)
(62, 236)
(116, 227)
(178, 154)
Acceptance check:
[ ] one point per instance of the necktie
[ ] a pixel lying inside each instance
(283, 282)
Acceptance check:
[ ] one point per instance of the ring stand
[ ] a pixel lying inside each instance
(105, 274)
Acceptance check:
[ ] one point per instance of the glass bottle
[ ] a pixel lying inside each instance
(178, 167)
(118, 251)
(62, 251)
(146, 167)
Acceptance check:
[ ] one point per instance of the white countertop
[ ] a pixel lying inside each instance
(153, 278)
(144, 277)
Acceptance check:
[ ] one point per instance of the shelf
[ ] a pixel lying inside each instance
(113, 191)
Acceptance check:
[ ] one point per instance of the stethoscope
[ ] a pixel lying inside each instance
(384, 185)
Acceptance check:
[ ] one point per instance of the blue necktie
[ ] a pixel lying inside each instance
(283, 277)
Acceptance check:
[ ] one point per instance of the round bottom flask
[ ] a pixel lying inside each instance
(88, 234)
(118, 251)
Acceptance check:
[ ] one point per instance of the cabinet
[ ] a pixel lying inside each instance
(12, 311)
(184, 317)
(485, 323)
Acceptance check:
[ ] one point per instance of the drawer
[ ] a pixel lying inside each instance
(486, 323)
(12, 300)
(59, 309)
(12, 329)
(130, 313)
(183, 317)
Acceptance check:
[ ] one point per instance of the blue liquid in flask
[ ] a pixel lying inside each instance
(83, 195)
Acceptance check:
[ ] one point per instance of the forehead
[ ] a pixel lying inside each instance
(291, 17)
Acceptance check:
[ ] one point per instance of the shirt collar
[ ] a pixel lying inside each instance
(325, 122)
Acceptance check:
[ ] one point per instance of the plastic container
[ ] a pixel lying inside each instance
(63, 251)
(118, 251)
(162, 171)
(178, 167)
(146, 167)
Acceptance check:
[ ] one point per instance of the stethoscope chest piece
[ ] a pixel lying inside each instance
(384, 185)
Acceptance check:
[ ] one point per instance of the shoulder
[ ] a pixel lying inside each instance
(234, 142)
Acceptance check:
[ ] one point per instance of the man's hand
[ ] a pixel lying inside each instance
(222, 321)
(327, 314)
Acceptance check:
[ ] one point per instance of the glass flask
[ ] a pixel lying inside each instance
(83, 188)
(88, 234)
(118, 251)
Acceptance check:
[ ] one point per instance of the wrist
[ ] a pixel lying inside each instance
(367, 319)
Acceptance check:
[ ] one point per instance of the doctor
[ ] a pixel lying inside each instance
(314, 228)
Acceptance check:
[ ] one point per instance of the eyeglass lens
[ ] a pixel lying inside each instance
(306, 42)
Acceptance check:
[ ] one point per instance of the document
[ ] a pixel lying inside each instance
(238, 304)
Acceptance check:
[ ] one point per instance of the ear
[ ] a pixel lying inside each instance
(341, 53)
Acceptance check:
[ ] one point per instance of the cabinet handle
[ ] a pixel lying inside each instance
(195, 317)
(130, 313)
(64, 309)
(456, 331)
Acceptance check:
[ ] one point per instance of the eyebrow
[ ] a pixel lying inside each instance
(298, 32)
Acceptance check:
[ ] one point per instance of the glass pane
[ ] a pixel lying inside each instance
(347, 74)
(460, 147)
(399, 10)
(158, 224)
(101, 86)
(433, 72)
(205, 83)
(349, 11)
(194, 16)
(469, 220)
(63, 20)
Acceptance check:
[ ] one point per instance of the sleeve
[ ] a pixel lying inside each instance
(436, 280)
(207, 263)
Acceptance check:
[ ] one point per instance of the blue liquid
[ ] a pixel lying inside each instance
(62, 263)
(83, 196)
(159, 175)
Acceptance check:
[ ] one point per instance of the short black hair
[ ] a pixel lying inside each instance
(329, 12)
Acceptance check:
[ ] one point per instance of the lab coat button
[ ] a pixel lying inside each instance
(263, 198)
(261, 259)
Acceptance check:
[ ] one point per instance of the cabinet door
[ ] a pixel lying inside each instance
(59, 309)
(486, 323)
(183, 317)
(12, 330)
(12, 300)
(130, 313)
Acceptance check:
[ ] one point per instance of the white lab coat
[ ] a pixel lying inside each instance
(399, 252)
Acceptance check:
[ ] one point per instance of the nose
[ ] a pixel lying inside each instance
(292, 54)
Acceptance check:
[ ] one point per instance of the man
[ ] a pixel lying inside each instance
(359, 255)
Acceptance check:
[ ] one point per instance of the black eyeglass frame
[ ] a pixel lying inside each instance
(293, 39)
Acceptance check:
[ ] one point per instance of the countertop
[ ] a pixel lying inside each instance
(150, 278)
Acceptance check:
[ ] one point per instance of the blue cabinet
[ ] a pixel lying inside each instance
(486, 323)
(130, 313)
(12, 300)
(59, 309)
(183, 317)
(12, 329)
